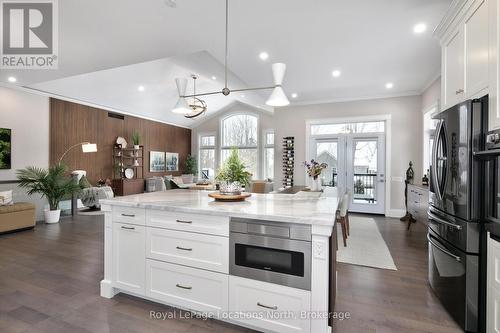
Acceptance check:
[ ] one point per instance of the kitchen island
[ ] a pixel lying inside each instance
(183, 249)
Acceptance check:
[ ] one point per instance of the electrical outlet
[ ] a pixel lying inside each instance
(319, 249)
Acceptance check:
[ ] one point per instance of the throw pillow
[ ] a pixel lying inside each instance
(6, 198)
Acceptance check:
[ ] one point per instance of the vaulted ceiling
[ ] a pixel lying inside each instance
(109, 48)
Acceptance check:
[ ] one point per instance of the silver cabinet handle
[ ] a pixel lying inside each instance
(267, 306)
(128, 228)
(459, 91)
(183, 221)
(128, 215)
(183, 287)
(441, 158)
(457, 258)
(440, 220)
(183, 248)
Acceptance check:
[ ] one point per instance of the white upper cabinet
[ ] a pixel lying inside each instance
(494, 70)
(454, 65)
(476, 50)
(465, 35)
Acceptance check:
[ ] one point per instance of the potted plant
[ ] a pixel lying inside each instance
(314, 169)
(136, 138)
(52, 184)
(233, 175)
(191, 169)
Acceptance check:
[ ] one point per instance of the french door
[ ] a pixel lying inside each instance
(356, 163)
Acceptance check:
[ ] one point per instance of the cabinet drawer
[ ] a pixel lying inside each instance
(185, 287)
(190, 249)
(129, 215)
(270, 300)
(205, 224)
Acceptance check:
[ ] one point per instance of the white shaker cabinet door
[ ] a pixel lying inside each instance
(477, 50)
(454, 69)
(494, 70)
(129, 257)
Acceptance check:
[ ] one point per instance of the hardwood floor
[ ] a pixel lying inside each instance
(49, 282)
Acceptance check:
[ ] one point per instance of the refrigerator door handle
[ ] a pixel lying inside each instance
(435, 159)
(457, 258)
(440, 220)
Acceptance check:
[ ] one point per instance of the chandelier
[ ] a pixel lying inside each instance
(198, 106)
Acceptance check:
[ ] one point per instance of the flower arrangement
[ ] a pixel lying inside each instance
(314, 168)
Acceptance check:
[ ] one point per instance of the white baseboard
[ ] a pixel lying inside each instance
(397, 213)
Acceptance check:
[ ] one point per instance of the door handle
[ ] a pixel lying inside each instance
(440, 220)
(457, 258)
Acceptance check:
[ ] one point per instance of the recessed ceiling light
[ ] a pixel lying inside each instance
(336, 73)
(214, 77)
(389, 85)
(141, 88)
(263, 56)
(12, 79)
(294, 95)
(419, 28)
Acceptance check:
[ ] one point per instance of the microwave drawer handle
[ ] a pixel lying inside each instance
(457, 258)
(128, 215)
(184, 221)
(440, 220)
(267, 306)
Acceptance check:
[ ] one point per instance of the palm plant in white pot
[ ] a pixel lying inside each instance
(52, 184)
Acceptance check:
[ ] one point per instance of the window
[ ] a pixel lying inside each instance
(269, 155)
(429, 133)
(207, 156)
(240, 131)
(346, 128)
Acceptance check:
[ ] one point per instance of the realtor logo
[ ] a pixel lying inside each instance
(29, 34)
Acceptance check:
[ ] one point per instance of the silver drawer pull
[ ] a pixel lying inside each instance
(128, 215)
(183, 287)
(459, 91)
(440, 220)
(128, 228)
(267, 306)
(457, 258)
(183, 248)
(184, 221)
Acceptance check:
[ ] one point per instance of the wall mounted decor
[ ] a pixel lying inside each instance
(156, 161)
(172, 161)
(5, 148)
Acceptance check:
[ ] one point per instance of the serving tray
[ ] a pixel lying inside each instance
(229, 197)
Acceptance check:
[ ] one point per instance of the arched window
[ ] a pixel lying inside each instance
(241, 131)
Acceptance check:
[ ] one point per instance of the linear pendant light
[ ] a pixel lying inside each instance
(278, 97)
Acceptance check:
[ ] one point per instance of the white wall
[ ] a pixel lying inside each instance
(431, 95)
(28, 117)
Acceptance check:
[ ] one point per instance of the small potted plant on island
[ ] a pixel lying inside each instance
(136, 138)
(314, 169)
(232, 175)
(191, 170)
(52, 184)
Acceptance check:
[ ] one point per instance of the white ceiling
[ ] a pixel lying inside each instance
(107, 48)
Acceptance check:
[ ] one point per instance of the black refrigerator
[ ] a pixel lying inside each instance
(455, 210)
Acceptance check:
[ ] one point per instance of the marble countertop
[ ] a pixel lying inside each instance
(312, 208)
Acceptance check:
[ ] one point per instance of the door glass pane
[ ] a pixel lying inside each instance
(269, 163)
(365, 171)
(327, 152)
(249, 158)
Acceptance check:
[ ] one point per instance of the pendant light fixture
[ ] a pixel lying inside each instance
(278, 97)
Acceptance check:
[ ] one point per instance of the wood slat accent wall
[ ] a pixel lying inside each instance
(72, 123)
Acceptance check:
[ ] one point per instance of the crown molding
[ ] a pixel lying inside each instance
(451, 14)
(429, 83)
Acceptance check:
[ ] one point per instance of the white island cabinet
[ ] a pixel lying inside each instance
(174, 248)
(493, 286)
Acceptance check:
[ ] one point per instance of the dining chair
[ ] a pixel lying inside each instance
(342, 216)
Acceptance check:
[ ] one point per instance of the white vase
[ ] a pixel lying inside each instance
(52, 216)
(315, 184)
(137, 147)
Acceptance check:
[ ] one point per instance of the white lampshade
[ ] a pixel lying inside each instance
(181, 84)
(89, 148)
(278, 97)
(181, 107)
